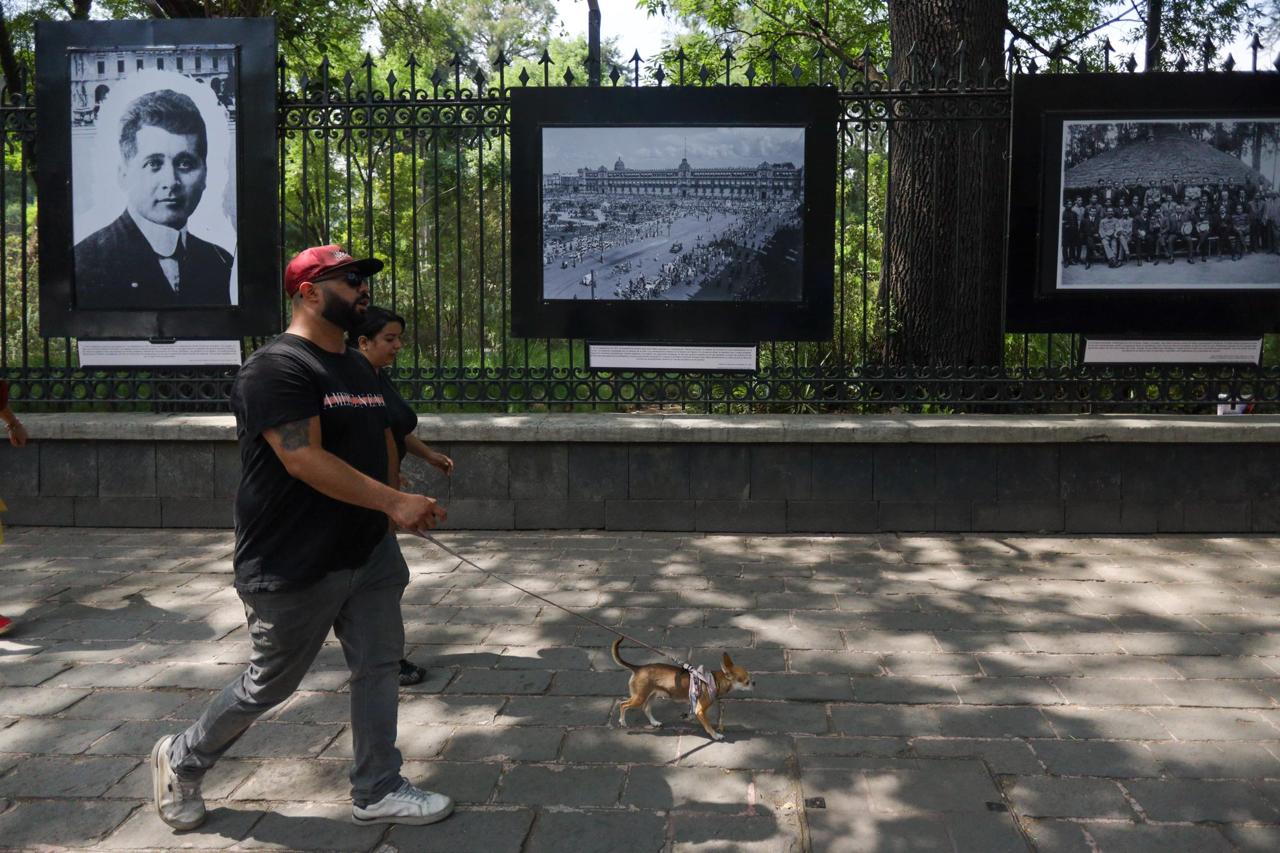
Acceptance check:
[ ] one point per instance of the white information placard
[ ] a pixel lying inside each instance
(671, 357)
(158, 354)
(1132, 351)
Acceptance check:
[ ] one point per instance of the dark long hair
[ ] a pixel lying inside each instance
(375, 320)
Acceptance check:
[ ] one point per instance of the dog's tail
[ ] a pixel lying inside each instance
(617, 658)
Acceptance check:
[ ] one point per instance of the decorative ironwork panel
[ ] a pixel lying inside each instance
(412, 165)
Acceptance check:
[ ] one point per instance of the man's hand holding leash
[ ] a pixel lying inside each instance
(416, 513)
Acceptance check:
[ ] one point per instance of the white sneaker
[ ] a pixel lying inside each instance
(406, 804)
(178, 801)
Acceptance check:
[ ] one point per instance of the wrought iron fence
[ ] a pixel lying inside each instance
(412, 165)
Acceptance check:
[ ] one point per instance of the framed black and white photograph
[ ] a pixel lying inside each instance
(1144, 204)
(673, 216)
(1168, 204)
(654, 226)
(150, 223)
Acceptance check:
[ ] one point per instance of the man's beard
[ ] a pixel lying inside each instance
(345, 316)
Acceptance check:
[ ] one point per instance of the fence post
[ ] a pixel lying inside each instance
(593, 42)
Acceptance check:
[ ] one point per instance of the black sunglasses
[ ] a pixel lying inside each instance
(351, 277)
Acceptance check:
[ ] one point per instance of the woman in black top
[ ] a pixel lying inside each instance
(378, 338)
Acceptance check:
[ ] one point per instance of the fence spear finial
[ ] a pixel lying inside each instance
(546, 64)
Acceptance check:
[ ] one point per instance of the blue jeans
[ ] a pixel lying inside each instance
(362, 606)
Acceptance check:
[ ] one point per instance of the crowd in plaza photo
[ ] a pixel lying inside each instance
(575, 228)
(721, 259)
(1118, 224)
(725, 261)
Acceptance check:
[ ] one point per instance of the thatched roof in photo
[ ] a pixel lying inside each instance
(1158, 161)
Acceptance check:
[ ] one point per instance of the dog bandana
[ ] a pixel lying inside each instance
(700, 682)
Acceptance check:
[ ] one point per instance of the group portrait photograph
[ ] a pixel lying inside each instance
(1169, 204)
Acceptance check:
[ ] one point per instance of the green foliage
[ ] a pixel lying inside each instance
(843, 28)
(308, 29)
(1188, 23)
(475, 30)
(794, 29)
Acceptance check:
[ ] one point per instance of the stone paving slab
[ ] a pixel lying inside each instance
(963, 694)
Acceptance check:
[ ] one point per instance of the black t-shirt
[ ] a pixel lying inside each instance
(402, 418)
(287, 534)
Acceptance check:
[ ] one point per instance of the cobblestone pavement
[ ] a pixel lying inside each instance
(979, 694)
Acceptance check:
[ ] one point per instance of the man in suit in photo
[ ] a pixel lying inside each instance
(146, 258)
(1070, 234)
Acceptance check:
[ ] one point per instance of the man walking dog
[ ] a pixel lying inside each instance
(313, 550)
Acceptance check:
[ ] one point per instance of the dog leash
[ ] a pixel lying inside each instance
(443, 547)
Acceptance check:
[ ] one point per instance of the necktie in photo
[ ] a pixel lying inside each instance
(173, 265)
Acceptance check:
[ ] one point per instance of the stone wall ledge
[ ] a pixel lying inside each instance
(713, 429)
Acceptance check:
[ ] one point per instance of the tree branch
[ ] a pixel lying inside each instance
(1026, 37)
(8, 59)
(1029, 39)
(157, 11)
(817, 32)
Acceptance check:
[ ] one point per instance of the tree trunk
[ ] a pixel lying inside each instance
(948, 177)
(8, 61)
(1155, 48)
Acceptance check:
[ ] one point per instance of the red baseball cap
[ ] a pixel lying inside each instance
(321, 261)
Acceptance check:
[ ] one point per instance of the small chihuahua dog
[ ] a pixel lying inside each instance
(661, 679)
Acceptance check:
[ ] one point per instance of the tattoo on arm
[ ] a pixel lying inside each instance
(296, 435)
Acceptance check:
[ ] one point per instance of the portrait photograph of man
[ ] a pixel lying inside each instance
(153, 177)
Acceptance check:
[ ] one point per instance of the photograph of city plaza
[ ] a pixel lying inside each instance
(1169, 204)
(707, 213)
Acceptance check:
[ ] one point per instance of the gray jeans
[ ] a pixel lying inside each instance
(362, 606)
